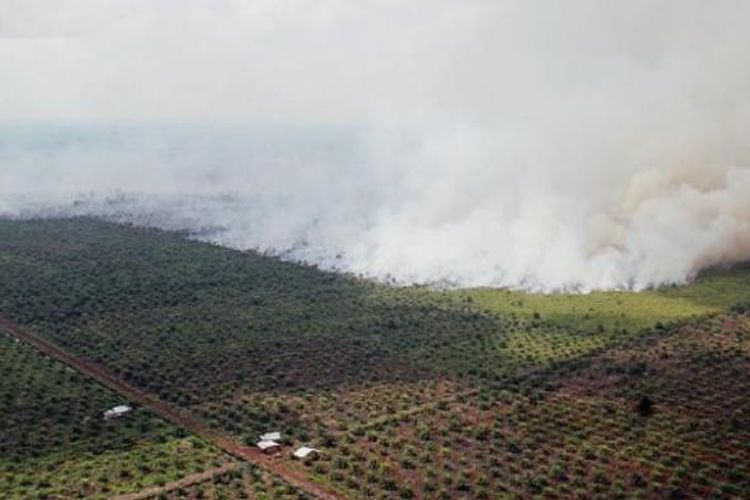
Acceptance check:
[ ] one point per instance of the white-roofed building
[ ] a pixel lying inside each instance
(117, 411)
(268, 446)
(271, 436)
(304, 452)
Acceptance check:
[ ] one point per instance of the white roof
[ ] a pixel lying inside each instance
(303, 451)
(270, 436)
(118, 410)
(265, 444)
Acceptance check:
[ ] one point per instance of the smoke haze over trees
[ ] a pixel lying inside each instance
(548, 145)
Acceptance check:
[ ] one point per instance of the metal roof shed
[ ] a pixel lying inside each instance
(304, 452)
(268, 446)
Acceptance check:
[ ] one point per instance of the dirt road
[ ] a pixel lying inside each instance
(170, 413)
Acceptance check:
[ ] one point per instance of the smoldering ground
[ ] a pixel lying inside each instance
(539, 144)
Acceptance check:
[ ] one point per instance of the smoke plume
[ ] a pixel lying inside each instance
(538, 144)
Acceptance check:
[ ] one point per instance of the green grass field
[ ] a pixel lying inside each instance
(410, 392)
(713, 292)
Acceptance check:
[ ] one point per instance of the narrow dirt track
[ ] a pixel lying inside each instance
(185, 482)
(170, 413)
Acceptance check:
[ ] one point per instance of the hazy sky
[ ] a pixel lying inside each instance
(533, 143)
(277, 60)
(341, 61)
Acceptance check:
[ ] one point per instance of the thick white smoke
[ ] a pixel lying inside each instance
(542, 144)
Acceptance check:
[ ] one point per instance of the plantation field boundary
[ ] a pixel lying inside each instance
(190, 480)
(169, 412)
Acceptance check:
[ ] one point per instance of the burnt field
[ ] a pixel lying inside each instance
(407, 392)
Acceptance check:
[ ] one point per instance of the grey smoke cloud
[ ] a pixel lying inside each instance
(539, 144)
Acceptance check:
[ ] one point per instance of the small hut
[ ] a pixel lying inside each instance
(117, 412)
(271, 436)
(269, 446)
(303, 452)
